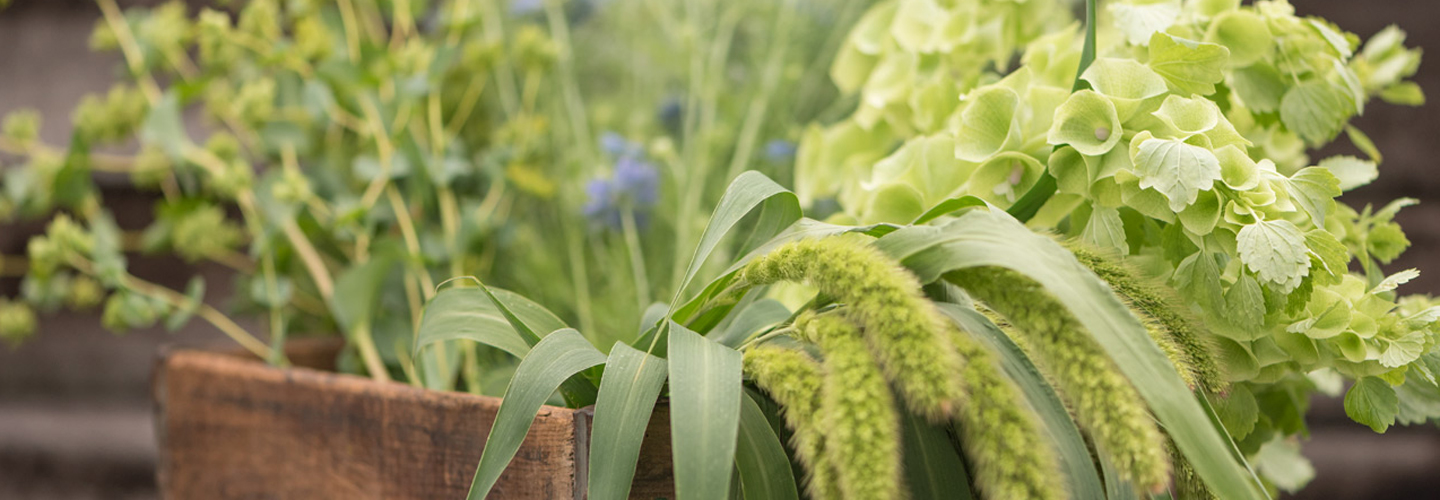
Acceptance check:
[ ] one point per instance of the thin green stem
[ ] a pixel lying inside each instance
(637, 258)
(1028, 205)
(755, 115)
(493, 29)
(574, 104)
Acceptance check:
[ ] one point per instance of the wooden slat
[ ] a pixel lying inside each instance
(231, 427)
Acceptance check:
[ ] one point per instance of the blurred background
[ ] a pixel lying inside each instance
(75, 414)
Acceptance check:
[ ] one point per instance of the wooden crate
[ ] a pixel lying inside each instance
(232, 427)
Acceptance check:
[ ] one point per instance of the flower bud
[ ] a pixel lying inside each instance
(534, 49)
(235, 178)
(84, 293)
(292, 188)
(17, 322)
(203, 232)
(102, 38)
(22, 126)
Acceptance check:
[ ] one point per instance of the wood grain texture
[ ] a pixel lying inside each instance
(231, 427)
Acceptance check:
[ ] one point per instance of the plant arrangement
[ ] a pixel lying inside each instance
(1107, 270)
(344, 157)
(1110, 271)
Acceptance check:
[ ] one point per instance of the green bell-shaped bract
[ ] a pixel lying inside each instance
(1126, 82)
(1087, 122)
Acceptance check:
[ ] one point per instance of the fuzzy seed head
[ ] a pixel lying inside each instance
(1106, 406)
(1188, 346)
(1001, 437)
(902, 328)
(795, 380)
(862, 426)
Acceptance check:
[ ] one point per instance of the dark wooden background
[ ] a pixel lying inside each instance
(74, 405)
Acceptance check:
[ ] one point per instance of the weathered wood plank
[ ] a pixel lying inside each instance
(234, 428)
(231, 427)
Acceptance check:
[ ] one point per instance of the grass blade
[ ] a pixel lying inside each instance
(749, 191)
(704, 414)
(948, 206)
(529, 320)
(554, 359)
(1081, 478)
(627, 397)
(993, 238)
(761, 314)
(760, 459)
(933, 467)
(468, 313)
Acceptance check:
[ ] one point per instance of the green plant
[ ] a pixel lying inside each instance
(829, 365)
(345, 157)
(1171, 154)
(1179, 158)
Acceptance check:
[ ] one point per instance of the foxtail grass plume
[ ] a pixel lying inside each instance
(1164, 316)
(901, 327)
(1010, 454)
(1106, 406)
(795, 380)
(862, 426)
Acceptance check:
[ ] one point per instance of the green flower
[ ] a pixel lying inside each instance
(21, 126)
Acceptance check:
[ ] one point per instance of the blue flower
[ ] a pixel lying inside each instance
(526, 7)
(635, 185)
(618, 146)
(780, 151)
(639, 179)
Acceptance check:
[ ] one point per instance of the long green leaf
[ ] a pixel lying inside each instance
(468, 313)
(993, 238)
(554, 359)
(704, 414)
(748, 191)
(758, 315)
(1116, 488)
(801, 229)
(1080, 475)
(933, 468)
(510, 305)
(949, 206)
(528, 318)
(760, 459)
(627, 397)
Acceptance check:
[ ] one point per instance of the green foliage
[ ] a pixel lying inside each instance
(361, 156)
(1184, 152)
